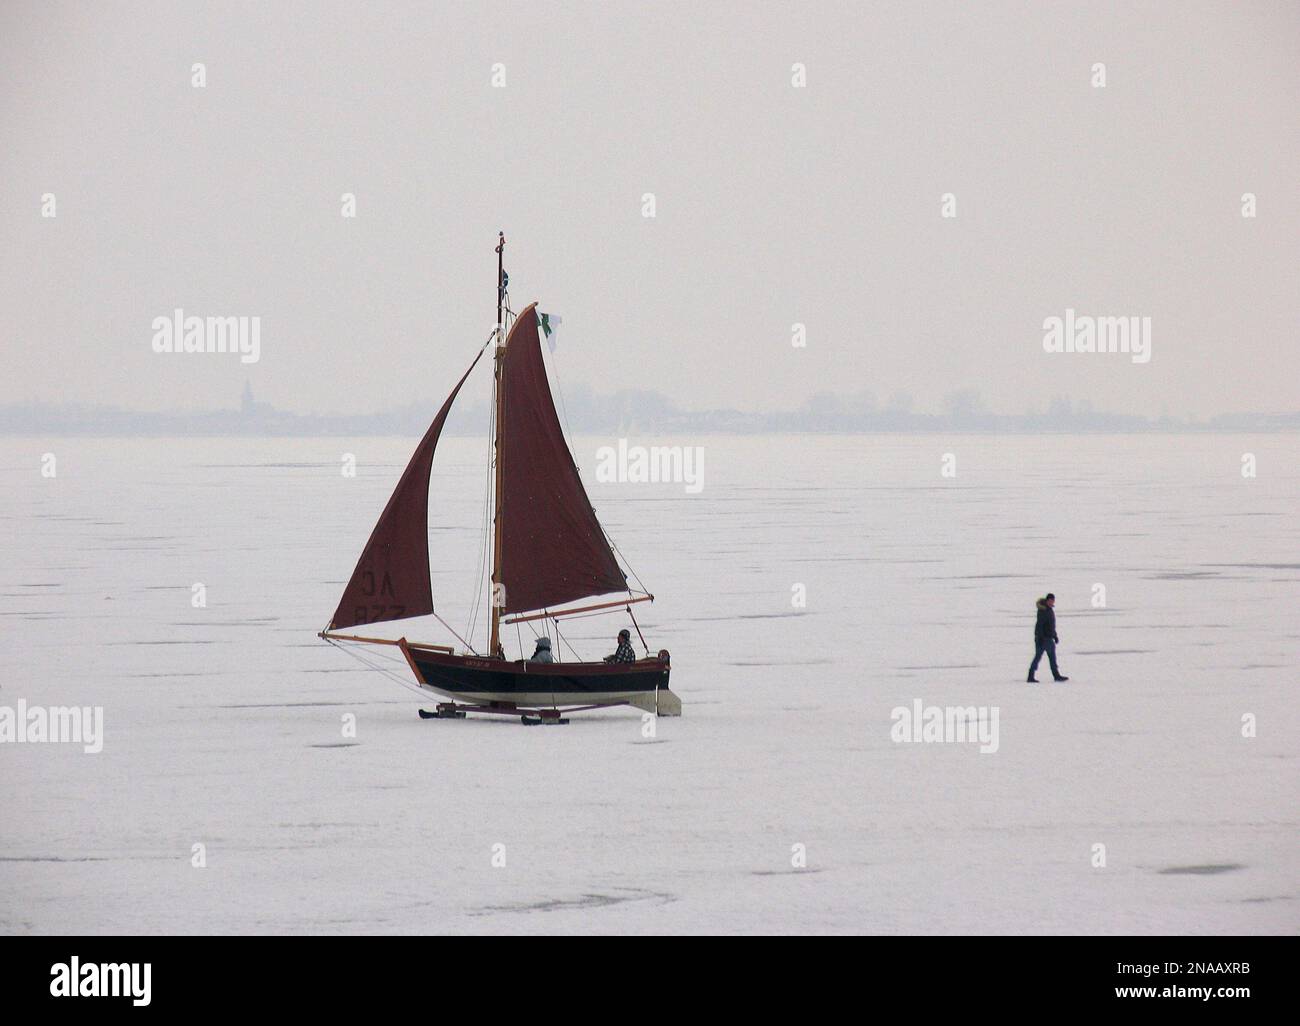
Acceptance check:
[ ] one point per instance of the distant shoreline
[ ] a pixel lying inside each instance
(645, 431)
(624, 414)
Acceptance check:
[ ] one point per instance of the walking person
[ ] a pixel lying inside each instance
(1045, 638)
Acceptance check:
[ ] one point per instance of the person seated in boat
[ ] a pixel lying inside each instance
(542, 653)
(624, 654)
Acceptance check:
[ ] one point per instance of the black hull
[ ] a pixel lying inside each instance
(483, 681)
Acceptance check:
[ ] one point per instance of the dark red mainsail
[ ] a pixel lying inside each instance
(552, 547)
(391, 581)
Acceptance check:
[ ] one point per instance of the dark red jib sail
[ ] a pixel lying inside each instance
(391, 581)
(552, 547)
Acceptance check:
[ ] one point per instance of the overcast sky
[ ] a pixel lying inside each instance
(774, 204)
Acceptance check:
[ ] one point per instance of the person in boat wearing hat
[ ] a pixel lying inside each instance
(542, 653)
(1045, 638)
(624, 654)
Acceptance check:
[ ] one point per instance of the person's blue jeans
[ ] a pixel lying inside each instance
(1048, 646)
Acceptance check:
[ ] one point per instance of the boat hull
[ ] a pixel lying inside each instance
(496, 682)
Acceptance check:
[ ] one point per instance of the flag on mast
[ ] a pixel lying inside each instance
(550, 325)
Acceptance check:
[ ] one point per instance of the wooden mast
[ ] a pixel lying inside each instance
(495, 597)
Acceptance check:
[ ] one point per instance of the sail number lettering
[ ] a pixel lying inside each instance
(374, 614)
(368, 584)
(377, 589)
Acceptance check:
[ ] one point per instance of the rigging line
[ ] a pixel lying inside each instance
(486, 518)
(560, 638)
(375, 666)
(566, 642)
(635, 576)
(355, 652)
(469, 630)
(485, 532)
(568, 430)
(520, 636)
(453, 631)
(471, 616)
(391, 675)
(638, 631)
(564, 410)
(374, 654)
(488, 566)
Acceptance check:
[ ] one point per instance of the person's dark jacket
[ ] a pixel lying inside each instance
(624, 654)
(1045, 626)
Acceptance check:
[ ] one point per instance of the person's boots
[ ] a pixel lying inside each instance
(1032, 679)
(1060, 679)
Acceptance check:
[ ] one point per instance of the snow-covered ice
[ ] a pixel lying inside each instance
(223, 724)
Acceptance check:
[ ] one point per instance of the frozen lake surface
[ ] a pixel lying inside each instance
(223, 724)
